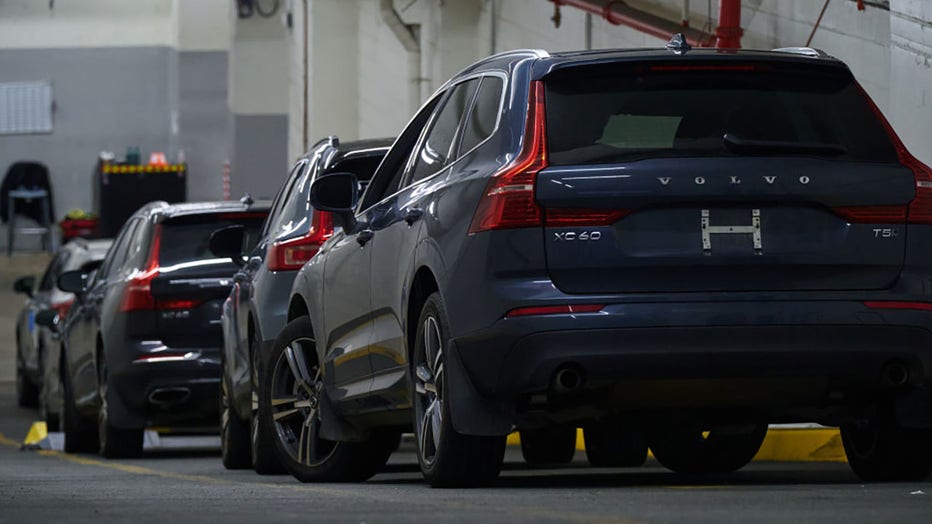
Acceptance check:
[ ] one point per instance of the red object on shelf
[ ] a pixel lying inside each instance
(81, 227)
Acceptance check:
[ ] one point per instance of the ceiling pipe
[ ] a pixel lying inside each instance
(729, 30)
(617, 12)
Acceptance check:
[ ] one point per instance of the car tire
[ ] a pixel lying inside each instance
(27, 393)
(264, 458)
(692, 450)
(886, 452)
(234, 433)
(549, 446)
(293, 384)
(114, 442)
(610, 444)
(447, 458)
(80, 437)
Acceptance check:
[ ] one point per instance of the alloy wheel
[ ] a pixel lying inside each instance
(295, 401)
(428, 387)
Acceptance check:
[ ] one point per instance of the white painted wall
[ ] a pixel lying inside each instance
(259, 67)
(890, 52)
(86, 23)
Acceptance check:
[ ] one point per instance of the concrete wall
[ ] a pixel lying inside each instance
(181, 76)
(889, 51)
(105, 99)
(258, 101)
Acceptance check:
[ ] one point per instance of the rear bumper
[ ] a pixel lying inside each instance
(769, 356)
(177, 392)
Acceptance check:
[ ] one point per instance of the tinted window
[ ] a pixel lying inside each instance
(484, 115)
(117, 253)
(278, 215)
(612, 113)
(386, 180)
(436, 151)
(186, 239)
(56, 266)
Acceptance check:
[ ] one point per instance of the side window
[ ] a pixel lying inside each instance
(117, 251)
(56, 266)
(386, 180)
(137, 247)
(279, 214)
(484, 115)
(436, 151)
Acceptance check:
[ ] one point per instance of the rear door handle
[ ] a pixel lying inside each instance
(413, 215)
(364, 236)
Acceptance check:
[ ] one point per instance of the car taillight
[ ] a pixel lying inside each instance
(137, 296)
(919, 211)
(583, 217)
(555, 310)
(508, 201)
(62, 307)
(292, 254)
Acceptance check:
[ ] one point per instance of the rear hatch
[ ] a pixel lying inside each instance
(191, 283)
(719, 176)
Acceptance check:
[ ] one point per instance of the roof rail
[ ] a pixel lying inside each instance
(804, 51)
(536, 53)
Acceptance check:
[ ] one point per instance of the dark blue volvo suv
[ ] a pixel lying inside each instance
(669, 248)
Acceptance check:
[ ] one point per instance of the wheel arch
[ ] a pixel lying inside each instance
(422, 286)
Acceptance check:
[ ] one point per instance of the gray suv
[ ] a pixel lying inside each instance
(669, 248)
(255, 312)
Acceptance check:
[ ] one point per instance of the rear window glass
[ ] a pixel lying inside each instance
(616, 113)
(186, 239)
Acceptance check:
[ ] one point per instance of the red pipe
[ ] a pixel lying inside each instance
(619, 13)
(729, 25)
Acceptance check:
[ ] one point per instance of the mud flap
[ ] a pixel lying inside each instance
(472, 413)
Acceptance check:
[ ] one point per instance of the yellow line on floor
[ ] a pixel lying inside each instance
(128, 468)
(6, 441)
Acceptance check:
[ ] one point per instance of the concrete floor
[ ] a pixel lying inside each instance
(194, 486)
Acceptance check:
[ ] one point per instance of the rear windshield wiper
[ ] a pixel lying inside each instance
(740, 145)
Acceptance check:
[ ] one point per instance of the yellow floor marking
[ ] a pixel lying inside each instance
(6, 441)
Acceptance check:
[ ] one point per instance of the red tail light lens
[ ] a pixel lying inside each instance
(555, 310)
(138, 293)
(584, 217)
(178, 304)
(508, 201)
(889, 304)
(872, 214)
(291, 255)
(62, 307)
(920, 209)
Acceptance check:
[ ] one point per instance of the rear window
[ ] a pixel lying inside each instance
(186, 239)
(621, 112)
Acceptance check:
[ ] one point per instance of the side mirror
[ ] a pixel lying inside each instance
(25, 285)
(337, 193)
(227, 242)
(73, 282)
(91, 266)
(48, 318)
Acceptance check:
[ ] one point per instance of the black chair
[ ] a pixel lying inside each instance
(26, 190)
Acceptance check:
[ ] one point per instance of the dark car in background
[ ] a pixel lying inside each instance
(141, 344)
(37, 345)
(257, 307)
(670, 248)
